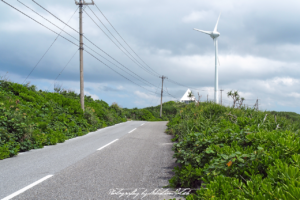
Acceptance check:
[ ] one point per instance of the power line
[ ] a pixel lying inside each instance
(91, 43)
(170, 94)
(54, 16)
(154, 98)
(137, 76)
(103, 50)
(132, 59)
(65, 66)
(38, 22)
(75, 45)
(119, 73)
(125, 41)
(62, 29)
(73, 37)
(50, 45)
(184, 85)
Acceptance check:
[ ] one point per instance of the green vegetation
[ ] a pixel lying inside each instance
(227, 153)
(231, 153)
(31, 119)
(294, 117)
(170, 110)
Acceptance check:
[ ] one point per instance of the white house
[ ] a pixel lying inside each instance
(186, 99)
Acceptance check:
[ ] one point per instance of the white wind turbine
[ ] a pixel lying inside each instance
(214, 35)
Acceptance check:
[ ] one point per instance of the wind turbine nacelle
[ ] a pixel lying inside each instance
(214, 35)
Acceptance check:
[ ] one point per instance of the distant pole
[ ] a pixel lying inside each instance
(162, 90)
(81, 3)
(199, 97)
(256, 104)
(221, 95)
(207, 98)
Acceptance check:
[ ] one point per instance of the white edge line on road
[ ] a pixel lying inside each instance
(107, 144)
(27, 187)
(131, 131)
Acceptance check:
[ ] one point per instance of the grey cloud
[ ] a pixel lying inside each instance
(108, 89)
(259, 29)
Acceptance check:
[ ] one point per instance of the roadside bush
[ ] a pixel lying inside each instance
(30, 119)
(230, 153)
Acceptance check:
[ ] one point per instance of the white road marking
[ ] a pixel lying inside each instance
(26, 188)
(131, 131)
(143, 124)
(107, 144)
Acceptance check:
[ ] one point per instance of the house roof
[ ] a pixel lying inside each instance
(186, 98)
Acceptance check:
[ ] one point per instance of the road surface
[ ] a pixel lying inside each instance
(131, 160)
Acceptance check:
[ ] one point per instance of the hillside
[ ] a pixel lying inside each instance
(31, 119)
(170, 109)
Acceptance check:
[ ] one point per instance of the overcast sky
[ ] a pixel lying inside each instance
(259, 49)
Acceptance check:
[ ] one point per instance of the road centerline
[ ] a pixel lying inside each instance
(26, 188)
(132, 130)
(107, 145)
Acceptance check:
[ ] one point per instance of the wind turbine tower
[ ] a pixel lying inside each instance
(214, 35)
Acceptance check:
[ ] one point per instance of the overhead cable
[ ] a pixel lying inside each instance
(66, 65)
(130, 57)
(38, 22)
(89, 41)
(119, 46)
(172, 81)
(50, 45)
(125, 41)
(119, 73)
(74, 44)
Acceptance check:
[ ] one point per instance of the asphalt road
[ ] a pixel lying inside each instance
(132, 157)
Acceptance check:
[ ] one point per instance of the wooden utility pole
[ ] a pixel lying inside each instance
(199, 97)
(256, 104)
(162, 90)
(221, 95)
(81, 3)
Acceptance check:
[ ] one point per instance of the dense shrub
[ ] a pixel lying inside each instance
(153, 113)
(232, 153)
(30, 119)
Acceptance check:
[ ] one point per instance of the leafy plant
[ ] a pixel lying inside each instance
(31, 119)
(231, 153)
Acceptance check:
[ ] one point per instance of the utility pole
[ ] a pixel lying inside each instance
(81, 3)
(162, 90)
(199, 97)
(256, 104)
(221, 95)
(207, 98)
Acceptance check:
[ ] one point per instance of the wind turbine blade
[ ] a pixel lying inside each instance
(216, 27)
(206, 32)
